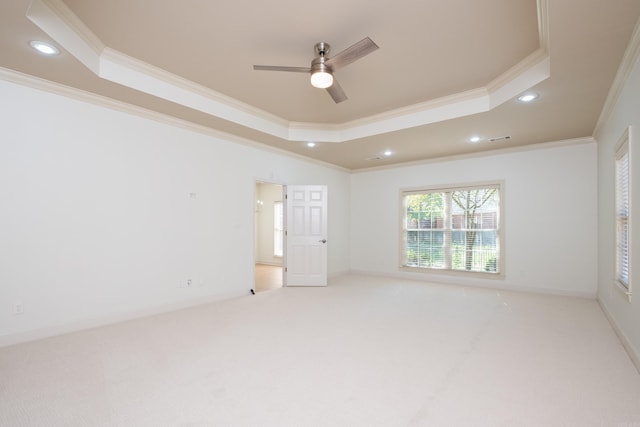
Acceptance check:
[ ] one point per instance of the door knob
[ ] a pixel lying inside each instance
(323, 241)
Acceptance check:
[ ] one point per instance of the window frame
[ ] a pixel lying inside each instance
(623, 149)
(278, 229)
(499, 185)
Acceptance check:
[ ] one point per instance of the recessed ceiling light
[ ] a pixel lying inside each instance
(388, 153)
(475, 139)
(44, 48)
(528, 97)
(311, 144)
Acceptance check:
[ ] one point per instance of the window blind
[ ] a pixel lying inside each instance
(454, 228)
(622, 214)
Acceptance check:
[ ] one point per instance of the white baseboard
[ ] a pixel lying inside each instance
(633, 352)
(337, 274)
(486, 284)
(84, 324)
(274, 264)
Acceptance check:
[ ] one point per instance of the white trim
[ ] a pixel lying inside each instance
(475, 282)
(543, 24)
(338, 274)
(80, 325)
(125, 70)
(37, 83)
(634, 353)
(271, 264)
(59, 22)
(487, 153)
(623, 147)
(629, 60)
(527, 73)
(622, 289)
(105, 102)
(449, 270)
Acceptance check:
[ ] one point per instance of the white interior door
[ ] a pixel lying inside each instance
(306, 235)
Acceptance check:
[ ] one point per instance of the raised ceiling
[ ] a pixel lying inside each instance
(446, 69)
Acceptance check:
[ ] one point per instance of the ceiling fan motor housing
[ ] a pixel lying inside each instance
(322, 48)
(318, 65)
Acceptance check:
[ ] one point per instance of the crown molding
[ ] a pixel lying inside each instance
(123, 69)
(57, 20)
(37, 83)
(532, 70)
(629, 61)
(543, 24)
(524, 75)
(488, 153)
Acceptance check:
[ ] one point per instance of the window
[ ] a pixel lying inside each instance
(454, 229)
(278, 229)
(622, 214)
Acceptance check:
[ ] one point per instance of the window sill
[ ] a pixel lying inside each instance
(458, 273)
(623, 289)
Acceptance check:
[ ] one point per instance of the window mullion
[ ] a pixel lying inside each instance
(435, 229)
(447, 232)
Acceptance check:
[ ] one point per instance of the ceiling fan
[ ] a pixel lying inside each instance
(322, 67)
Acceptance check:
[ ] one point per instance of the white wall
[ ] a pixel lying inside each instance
(268, 194)
(550, 216)
(104, 214)
(625, 314)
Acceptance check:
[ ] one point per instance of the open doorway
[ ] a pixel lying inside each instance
(269, 236)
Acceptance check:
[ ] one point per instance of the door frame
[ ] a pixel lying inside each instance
(283, 188)
(284, 192)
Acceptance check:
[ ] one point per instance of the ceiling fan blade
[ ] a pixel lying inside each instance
(278, 68)
(352, 53)
(336, 92)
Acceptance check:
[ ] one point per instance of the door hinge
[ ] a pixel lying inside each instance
(285, 269)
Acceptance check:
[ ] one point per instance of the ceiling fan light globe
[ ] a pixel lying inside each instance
(321, 79)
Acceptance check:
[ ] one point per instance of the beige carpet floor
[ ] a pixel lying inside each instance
(361, 352)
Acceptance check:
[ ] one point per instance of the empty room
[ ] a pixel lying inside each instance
(243, 213)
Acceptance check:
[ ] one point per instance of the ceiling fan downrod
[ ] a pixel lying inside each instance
(322, 49)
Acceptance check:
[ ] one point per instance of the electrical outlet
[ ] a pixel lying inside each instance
(18, 308)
